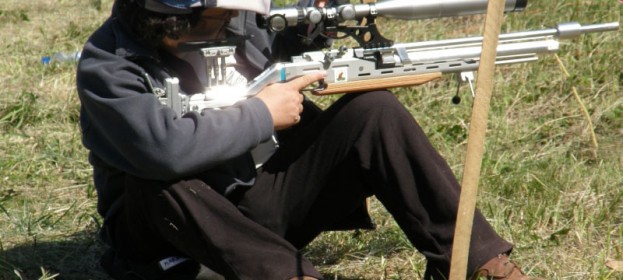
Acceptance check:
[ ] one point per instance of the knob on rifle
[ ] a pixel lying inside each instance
(277, 23)
(456, 100)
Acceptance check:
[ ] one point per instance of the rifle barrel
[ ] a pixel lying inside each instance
(423, 9)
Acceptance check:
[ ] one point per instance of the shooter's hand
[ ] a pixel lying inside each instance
(284, 100)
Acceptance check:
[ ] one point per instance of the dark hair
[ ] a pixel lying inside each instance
(152, 27)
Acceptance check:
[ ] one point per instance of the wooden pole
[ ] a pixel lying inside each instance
(476, 140)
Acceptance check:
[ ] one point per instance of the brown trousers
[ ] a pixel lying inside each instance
(364, 144)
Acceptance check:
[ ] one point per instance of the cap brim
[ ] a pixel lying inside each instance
(258, 6)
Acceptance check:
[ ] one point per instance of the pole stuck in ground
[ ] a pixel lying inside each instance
(476, 140)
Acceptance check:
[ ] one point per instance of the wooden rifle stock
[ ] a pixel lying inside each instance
(376, 84)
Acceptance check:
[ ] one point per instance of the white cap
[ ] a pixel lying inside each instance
(186, 6)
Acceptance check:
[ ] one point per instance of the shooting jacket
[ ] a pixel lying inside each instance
(128, 131)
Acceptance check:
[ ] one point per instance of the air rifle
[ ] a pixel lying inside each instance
(377, 63)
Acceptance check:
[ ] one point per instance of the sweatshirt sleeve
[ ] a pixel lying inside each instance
(128, 128)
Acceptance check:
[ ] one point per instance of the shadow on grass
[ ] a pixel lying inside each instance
(73, 257)
(338, 277)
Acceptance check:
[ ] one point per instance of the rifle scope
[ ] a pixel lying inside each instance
(278, 19)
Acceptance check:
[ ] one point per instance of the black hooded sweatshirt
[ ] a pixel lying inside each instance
(128, 131)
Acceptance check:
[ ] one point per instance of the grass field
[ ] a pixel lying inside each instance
(547, 185)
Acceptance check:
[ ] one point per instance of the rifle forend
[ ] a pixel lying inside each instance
(406, 64)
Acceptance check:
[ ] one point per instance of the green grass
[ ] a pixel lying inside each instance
(544, 186)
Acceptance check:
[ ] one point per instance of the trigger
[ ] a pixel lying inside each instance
(322, 85)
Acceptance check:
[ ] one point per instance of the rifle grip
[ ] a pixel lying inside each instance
(376, 84)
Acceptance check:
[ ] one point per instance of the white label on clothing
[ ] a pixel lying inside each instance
(168, 263)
